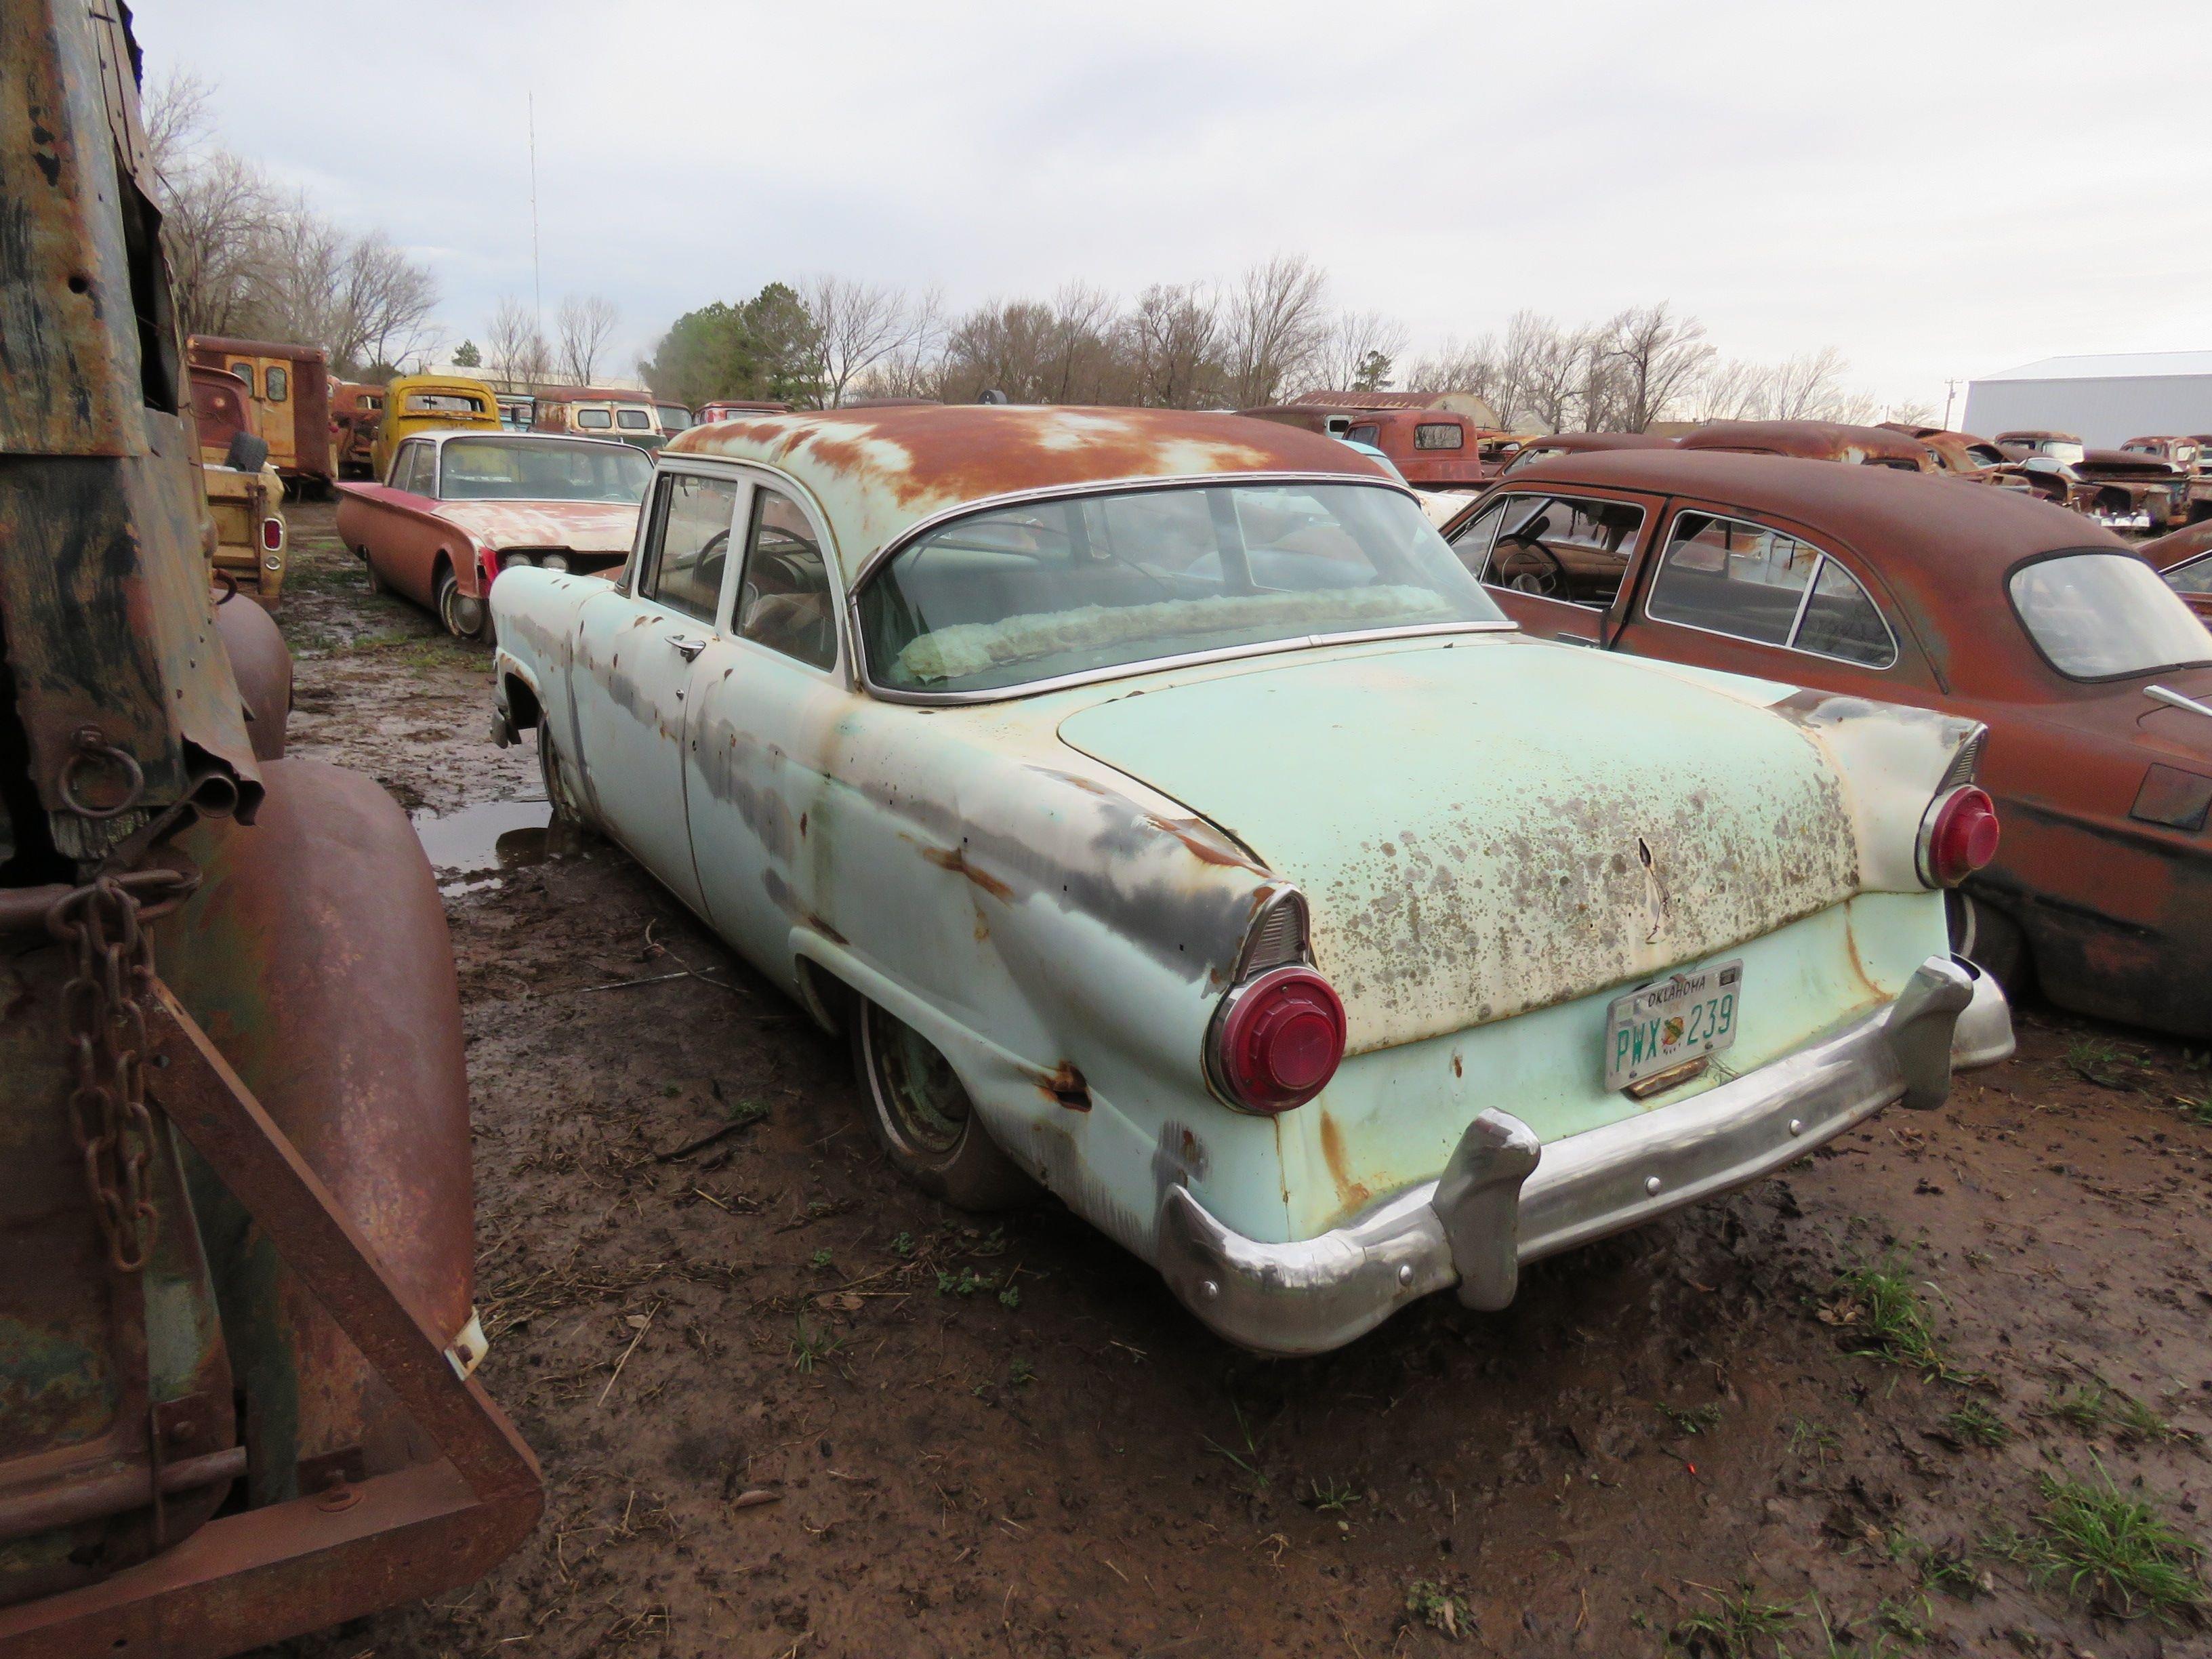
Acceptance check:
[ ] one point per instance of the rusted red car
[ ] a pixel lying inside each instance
(357, 411)
(463, 505)
(1813, 440)
(2120, 488)
(2094, 681)
(2193, 452)
(1534, 450)
(2185, 559)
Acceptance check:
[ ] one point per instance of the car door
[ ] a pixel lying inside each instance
(770, 695)
(1558, 559)
(1729, 590)
(637, 651)
(400, 547)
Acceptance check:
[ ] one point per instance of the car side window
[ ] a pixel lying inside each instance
(2193, 577)
(403, 470)
(785, 602)
(1750, 582)
(276, 383)
(688, 547)
(1575, 549)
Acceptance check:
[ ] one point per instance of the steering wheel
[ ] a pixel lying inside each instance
(1533, 568)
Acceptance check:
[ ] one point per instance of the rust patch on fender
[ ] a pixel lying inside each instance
(1350, 1194)
(1066, 1087)
(954, 859)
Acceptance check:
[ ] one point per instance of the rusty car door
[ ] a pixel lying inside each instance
(769, 700)
(1557, 560)
(1726, 588)
(637, 658)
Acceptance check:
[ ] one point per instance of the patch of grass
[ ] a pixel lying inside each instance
(2115, 1553)
(1818, 1438)
(1975, 1424)
(1249, 1459)
(1698, 1420)
(1739, 1624)
(2092, 1406)
(1439, 1607)
(1330, 1497)
(1878, 1305)
(2198, 1112)
(1945, 1567)
(2097, 1061)
(808, 1348)
(2083, 1405)
(1908, 1620)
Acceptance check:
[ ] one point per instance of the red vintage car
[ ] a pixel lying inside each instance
(461, 507)
(2185, 559)
(2094, 681)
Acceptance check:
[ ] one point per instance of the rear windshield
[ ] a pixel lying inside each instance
(594, 420)
(543, 470)
(633, 420)
(675, 416)
(443, 403)
(2100, 615)
(1048, 589)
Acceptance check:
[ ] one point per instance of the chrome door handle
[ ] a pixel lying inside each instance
(690, 648)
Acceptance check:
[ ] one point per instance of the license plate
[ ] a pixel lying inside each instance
(1684, 1019)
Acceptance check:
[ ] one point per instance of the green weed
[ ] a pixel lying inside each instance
(1739, 1624)
(808, 1348)
(2115, 1554)
(1976, 1425)
(1698, 1420)
(1439, 1607)
(1878, 1305)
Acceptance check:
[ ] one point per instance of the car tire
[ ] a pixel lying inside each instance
(923, 1119)
(1996, 943)
(566, 809)
(448, 589)
(376, 583)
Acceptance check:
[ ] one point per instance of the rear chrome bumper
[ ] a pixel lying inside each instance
(1984, 1036)
(1504, 1200)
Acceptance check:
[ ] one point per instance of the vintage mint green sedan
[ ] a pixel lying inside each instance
(1170, 820)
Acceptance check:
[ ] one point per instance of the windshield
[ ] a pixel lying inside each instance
(2099, 616)
(674, 416)
(633, 420)
(2064, 451)
(1048, 589)
(543, 470)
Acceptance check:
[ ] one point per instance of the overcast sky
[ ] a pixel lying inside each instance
(1936, 190)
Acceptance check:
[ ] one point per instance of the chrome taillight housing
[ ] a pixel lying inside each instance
(1278, 1036)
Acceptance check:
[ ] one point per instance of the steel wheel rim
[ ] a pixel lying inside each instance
(917, 1098)
(447, 592)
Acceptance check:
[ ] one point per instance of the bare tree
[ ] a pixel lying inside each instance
(1362, 350)
(1653, 357)
(1458, 366)
(584, 326)
(514, 347)
(1274, 328)
(913, 368)
(1171, 342)
(859, 325)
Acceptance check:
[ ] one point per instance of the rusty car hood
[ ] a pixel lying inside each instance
(582, 526)
(1498, 824)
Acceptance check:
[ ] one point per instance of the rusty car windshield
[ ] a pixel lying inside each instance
(2105, 615)
(543, 470)
(1048, 589)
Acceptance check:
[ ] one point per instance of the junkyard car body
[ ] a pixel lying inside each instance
(736, 408)
(2120, 488)
(518, 412)
(461, 507)
(245, 502)
(290, 387)
(2190, 454)
(673, 418)
(2185, 559)
(1534, 450)
(1430, 449)
(357, 412)
(586, 411)
(1958, 600)
(430, 402)
(1813, 440)
(1060, 733)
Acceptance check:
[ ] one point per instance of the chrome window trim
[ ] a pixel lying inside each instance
(921, 527)
(1659, 569)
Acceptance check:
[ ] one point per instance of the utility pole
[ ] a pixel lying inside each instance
(1950, 391)
(536, 271)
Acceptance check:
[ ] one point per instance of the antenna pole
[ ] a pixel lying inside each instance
(536, 271)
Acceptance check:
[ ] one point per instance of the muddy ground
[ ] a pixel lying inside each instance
(787, 1406)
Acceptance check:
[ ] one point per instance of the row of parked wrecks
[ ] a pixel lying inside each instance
(1338, 891)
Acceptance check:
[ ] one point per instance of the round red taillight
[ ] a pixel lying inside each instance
(1963, 837)
(1278, 1040)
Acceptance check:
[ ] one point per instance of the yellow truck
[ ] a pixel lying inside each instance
(430, 402)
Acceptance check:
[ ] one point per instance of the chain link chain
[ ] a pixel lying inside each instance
(104, 1006)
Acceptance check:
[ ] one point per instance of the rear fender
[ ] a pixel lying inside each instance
(316, 957)
(263, 668)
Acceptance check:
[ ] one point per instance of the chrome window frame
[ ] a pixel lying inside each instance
(630, 585)
(1797, 617)
(921, 527)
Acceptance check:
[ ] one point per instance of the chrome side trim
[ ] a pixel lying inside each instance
(1502, 1200)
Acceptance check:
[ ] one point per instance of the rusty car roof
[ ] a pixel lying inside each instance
(877, 472)
(1941, 545)
(1823, 440)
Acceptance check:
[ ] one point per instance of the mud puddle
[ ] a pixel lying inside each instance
(472, 848)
